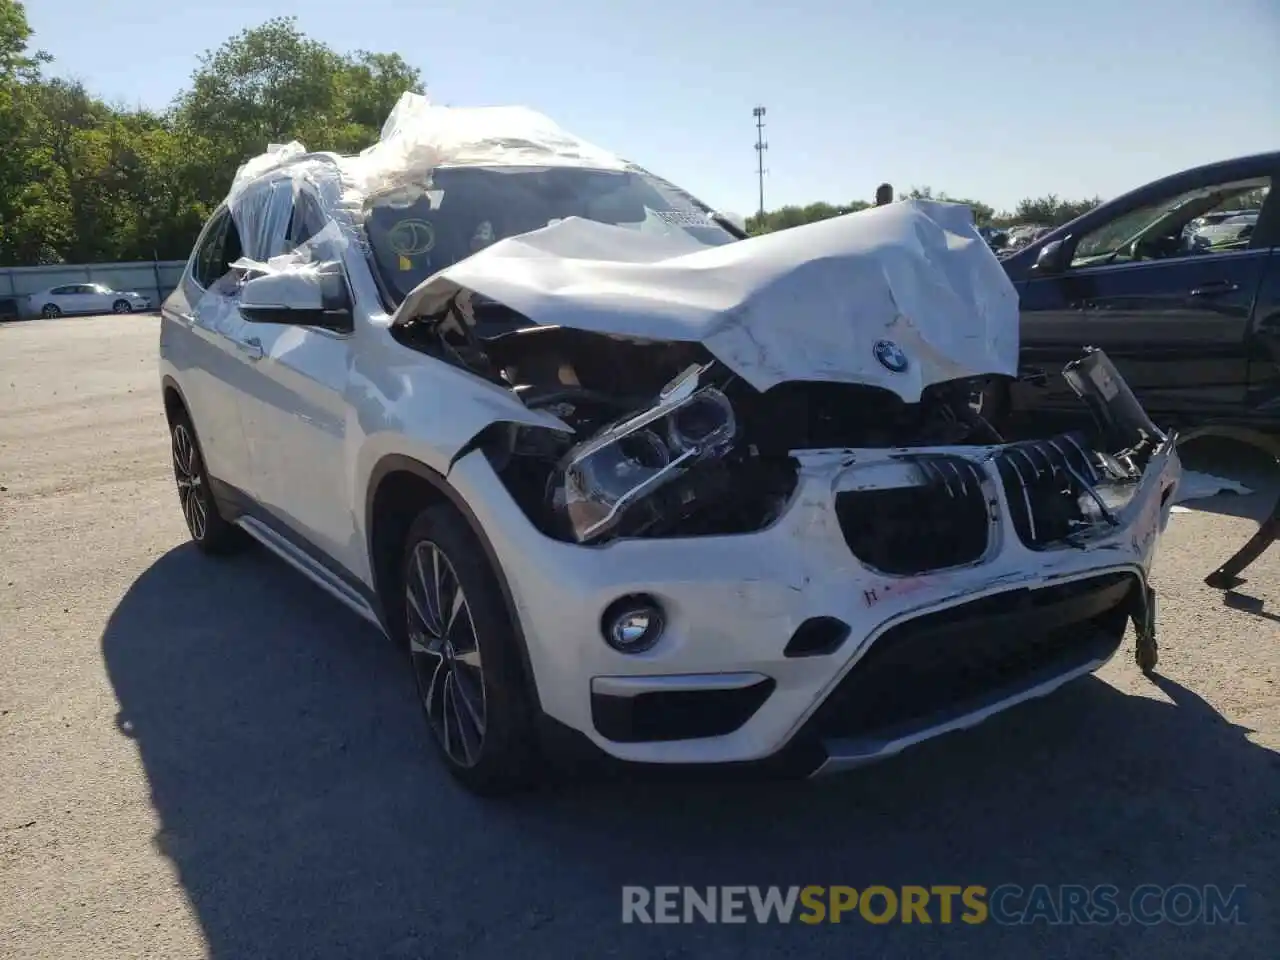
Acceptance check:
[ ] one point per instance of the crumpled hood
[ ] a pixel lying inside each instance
(899, 297)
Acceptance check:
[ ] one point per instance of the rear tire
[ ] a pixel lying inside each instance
(452, 617)
(209, 530)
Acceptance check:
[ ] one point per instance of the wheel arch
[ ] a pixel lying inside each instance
(174, 400)
(399, 488)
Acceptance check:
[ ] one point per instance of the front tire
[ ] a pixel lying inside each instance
(209, 530)
(50, 311)
(122, 306)
(465, 656)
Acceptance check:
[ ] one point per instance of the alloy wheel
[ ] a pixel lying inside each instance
(190, 480)
(446, 654)
(50, 311)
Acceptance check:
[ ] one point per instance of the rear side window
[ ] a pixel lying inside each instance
(209, 251)
(219, 248)
(262, 216)
(305, 220)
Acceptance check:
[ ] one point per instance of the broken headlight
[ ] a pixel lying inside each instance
(609, 482)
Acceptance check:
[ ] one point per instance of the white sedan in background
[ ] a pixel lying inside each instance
(85, 298)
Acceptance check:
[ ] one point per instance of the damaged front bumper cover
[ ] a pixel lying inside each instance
(838, 638)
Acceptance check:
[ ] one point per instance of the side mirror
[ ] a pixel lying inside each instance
(1051, 260)
(313, 295)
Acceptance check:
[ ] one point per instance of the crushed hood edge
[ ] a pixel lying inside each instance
(899, 297)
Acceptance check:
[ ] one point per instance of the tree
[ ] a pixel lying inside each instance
(792, 216)
(83, 181)
(17, 63)
(272, 84)
(982, 213)
(1051, 210)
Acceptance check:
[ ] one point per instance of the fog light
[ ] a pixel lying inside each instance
(632, 624)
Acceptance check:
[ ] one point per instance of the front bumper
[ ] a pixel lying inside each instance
(722, 685)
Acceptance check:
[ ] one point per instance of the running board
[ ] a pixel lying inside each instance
(313, 571)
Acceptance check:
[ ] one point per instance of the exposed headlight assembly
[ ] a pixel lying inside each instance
(606, 478)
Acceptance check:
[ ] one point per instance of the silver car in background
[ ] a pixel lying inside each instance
(84, 298)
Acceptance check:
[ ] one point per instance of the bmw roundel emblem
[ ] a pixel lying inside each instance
(891, 356)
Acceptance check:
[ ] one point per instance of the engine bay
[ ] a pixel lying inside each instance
(667, 441)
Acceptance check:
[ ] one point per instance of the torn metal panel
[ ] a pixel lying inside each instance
(899, 297)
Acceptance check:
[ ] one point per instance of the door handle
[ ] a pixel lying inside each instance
(1215, 289)
(251, 347)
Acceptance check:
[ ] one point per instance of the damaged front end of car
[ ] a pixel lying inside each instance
(709, 455)
(840, 559)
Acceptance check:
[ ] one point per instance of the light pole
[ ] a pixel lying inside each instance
(761, 147)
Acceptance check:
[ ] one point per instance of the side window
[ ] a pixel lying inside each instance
(231, 248)
(60, 291)
(209, 253)
(261, 216)
(1216, 218)
(305, 220)
(219, 249)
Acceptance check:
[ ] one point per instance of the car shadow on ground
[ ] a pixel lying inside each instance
(1235, 461)
(306, 816)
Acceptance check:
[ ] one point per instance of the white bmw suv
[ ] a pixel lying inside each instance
(625, 483)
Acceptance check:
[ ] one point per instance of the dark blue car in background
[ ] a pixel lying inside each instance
(1178, 281)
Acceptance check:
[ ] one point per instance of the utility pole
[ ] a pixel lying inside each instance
(761, 147)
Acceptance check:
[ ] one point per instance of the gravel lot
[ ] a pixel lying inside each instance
(203, 758)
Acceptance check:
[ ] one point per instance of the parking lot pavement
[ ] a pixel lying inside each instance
(203, 757)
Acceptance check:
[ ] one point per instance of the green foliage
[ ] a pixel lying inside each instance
(1048, 211)
(982, 213)
(81, 181)
(1052, 210)
(785, 217)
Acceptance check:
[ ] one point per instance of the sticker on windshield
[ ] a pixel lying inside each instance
(411, 238)
(684, 218)
(1102, 379)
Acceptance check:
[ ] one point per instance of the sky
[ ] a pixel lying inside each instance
(992, 100)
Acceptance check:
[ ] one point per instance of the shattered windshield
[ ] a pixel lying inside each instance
(417, 232)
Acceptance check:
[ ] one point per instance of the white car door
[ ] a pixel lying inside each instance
(296, 411)
(203, 335)
(102, 298)
(61, 297)
(78, 299)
